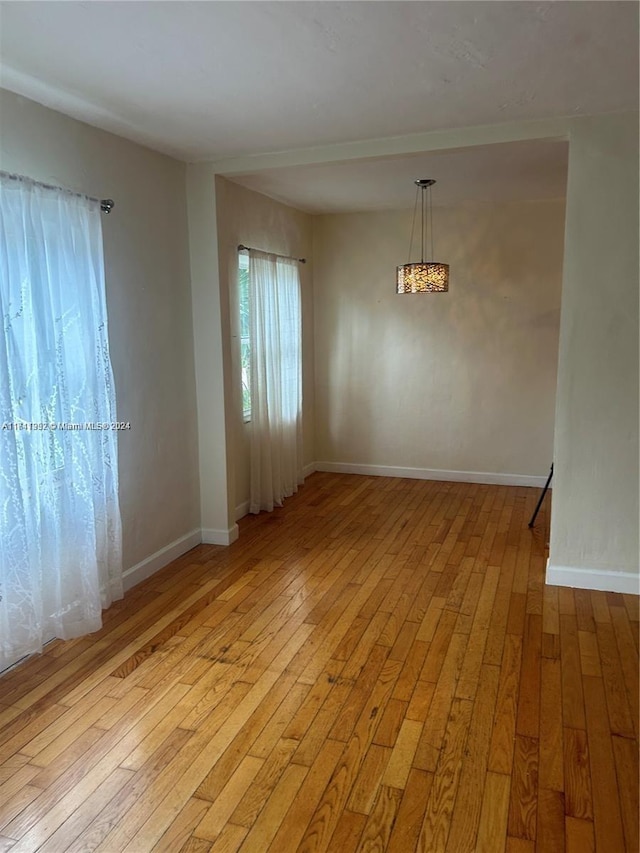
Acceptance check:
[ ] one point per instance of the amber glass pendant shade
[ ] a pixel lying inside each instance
(427, 277)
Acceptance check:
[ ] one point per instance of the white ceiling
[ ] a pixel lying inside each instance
(210, 80)
(485, 173)
(206, 80)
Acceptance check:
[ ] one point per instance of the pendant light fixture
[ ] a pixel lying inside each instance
(426, 276)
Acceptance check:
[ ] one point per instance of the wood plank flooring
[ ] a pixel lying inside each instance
(377, 666)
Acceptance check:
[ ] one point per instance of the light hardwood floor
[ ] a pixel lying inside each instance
(377, 666)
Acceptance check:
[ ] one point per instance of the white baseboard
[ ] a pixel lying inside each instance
(212, 536)
(608, 581)
(434, 474)
(143, 570)
(243, 508)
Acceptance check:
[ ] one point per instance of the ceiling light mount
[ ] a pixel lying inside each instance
(426, 276)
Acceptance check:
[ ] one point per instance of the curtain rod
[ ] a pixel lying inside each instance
(106, 204)
(242, 248)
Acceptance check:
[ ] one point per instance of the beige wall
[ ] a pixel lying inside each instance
(250, 218)
(594, 526)
(217, 521)
(463, 381)
(149, 305)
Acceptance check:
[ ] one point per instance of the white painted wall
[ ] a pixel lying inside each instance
(211, 354)
(503, 301)
(594, 524)
(594, 531)
(460, 381)
(149, 307)
(250, 218)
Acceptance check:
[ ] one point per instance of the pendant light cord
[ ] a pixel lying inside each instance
(413, 224)
(426, 222)
(431, 221)
(422, 228)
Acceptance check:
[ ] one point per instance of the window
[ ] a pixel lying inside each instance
(60, 539)
(274, 375)
(245, 344)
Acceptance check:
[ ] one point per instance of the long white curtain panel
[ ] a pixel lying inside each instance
(60, 532)
(276, 379)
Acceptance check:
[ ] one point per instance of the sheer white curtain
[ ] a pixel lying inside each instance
(276, 379)
(60, 535)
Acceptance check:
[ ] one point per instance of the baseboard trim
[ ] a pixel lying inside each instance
(143, 570)
(243, 508)
(483, 477)
(607, 581)
(212, 536)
